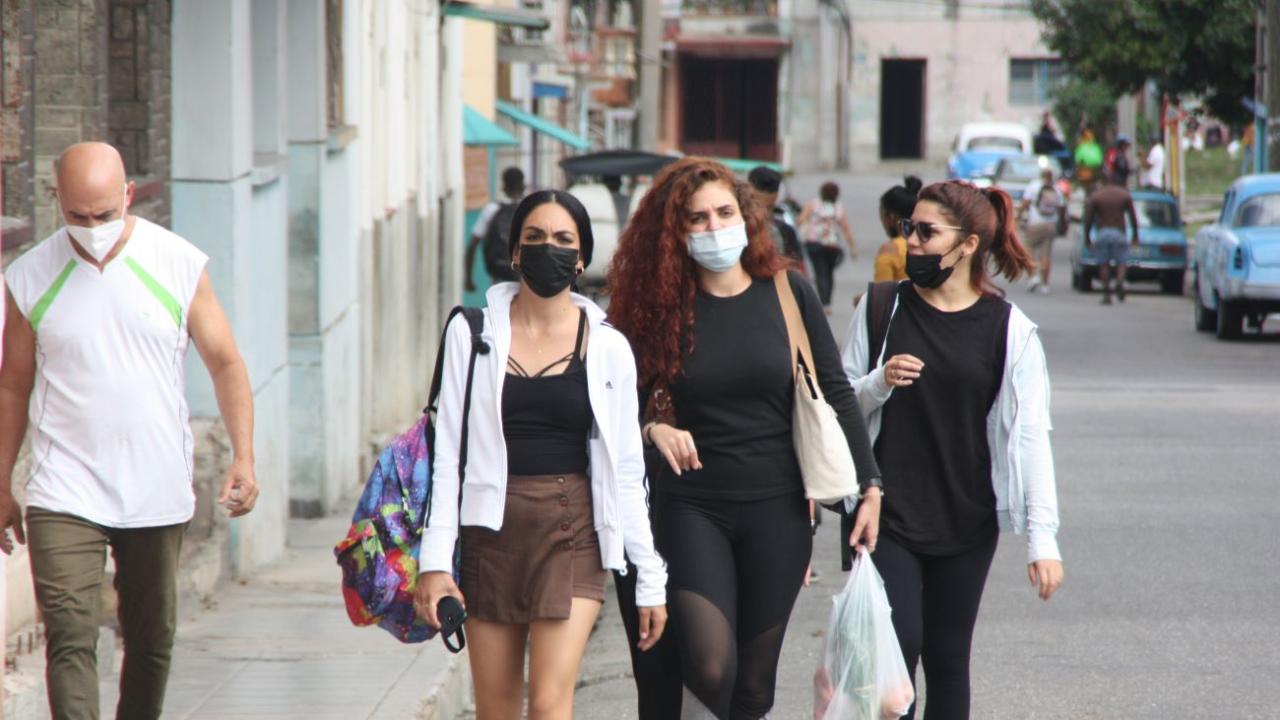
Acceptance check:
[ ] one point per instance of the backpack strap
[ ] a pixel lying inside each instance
(880, 299)
(475, 321)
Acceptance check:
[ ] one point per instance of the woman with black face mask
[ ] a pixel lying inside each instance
(959, 416)
(554, 482)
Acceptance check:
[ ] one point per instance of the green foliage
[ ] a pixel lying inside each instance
(1187, 47)
(1081, 103)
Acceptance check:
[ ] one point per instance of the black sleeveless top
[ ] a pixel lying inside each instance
(546, 419)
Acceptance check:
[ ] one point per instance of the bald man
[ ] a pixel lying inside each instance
(98, 319)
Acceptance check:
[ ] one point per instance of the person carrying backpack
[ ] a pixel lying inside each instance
(492, 232)
(554, 486)
(824, 226)
(1046, 211)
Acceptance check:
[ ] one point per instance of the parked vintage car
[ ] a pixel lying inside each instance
(1237, 264)
(1161, 254)
(1015, 172)
(979, 146)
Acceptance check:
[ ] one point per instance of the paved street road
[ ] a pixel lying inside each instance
(1169, 476)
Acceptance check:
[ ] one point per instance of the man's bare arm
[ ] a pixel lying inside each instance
(209, 328)
(17, 375)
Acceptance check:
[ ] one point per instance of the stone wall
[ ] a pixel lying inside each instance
(70, 90)
(139, 104)
(17, 118)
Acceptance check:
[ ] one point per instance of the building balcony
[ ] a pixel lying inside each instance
(721, 8)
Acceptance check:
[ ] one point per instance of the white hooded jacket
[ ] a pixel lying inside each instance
(1017, 428)
(618, 491)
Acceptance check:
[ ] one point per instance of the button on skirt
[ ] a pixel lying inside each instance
(546, 553)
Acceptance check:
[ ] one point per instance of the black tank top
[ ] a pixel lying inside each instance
(546, 419)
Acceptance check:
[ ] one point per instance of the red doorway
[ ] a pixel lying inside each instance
(729, 107)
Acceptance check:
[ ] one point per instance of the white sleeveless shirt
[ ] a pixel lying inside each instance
(110, 436)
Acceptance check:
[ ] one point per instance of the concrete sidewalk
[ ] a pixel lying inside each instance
(279, 645)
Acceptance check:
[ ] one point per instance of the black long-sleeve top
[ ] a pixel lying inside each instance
(736, 393)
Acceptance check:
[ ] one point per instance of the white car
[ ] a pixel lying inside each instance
(979, 146)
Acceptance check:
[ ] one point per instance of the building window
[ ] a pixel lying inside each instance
(1033, 80)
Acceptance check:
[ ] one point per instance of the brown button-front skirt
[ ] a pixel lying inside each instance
(546, 553)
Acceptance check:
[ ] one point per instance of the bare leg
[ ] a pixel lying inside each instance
(1046, 258)
(1120, 268)
(555, 656)
(1104, 273)
(497, 667)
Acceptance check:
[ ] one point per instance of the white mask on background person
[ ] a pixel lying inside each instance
(718, 250)
(99, 240)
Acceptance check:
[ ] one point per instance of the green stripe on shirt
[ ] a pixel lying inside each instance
(42, 305)
(167, 300)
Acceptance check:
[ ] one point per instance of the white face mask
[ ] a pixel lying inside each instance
(718, 250)
(99, 240)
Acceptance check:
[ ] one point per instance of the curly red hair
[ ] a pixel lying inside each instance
(652, 280)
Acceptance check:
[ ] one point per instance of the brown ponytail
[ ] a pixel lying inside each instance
(989, 215)
(1008, 254)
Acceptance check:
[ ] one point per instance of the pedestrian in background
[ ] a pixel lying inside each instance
(959, 413)
(896, 205)
(489, 234)
(1105, 213)
(1045, 210)
(824, 226)
(1153, 165)
(99, 317)
(1118, 165)
(554, 482)
(1088, 161)
(694, 290)
(767, 181)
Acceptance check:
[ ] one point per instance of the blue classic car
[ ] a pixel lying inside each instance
(978, 148)
(1237, 266)
(1162, 246)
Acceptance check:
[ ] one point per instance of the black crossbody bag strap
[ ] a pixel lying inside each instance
(880, 297)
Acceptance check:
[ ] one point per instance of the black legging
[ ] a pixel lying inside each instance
(735, 569)
(824, 259)
(657, 670)
(935, 606)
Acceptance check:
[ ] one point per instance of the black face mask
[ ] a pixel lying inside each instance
(548, 269)
(926, 271)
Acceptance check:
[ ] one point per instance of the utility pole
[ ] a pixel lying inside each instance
(1267, 153)
(649, 61)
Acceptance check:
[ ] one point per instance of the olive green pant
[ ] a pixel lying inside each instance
(68, 555)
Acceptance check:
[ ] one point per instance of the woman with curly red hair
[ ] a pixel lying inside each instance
(693, 289)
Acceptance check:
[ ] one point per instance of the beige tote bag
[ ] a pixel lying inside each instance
(826, 464)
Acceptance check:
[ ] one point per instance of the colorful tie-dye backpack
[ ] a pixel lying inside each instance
(379, 555)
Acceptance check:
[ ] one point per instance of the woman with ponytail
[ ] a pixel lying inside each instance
(956, 398)
(896, 205)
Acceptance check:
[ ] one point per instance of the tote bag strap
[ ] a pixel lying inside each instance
(796, 332)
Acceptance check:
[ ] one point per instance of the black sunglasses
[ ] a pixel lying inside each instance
(907, 227)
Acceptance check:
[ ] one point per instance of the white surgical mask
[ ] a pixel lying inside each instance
(98, 240)
(718, 250)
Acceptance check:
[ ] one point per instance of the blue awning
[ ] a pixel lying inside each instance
(497, 15)
(480, 130)
(549, 90)
(542, 125)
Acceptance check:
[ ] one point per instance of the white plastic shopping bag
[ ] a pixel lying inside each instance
(862, 675)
